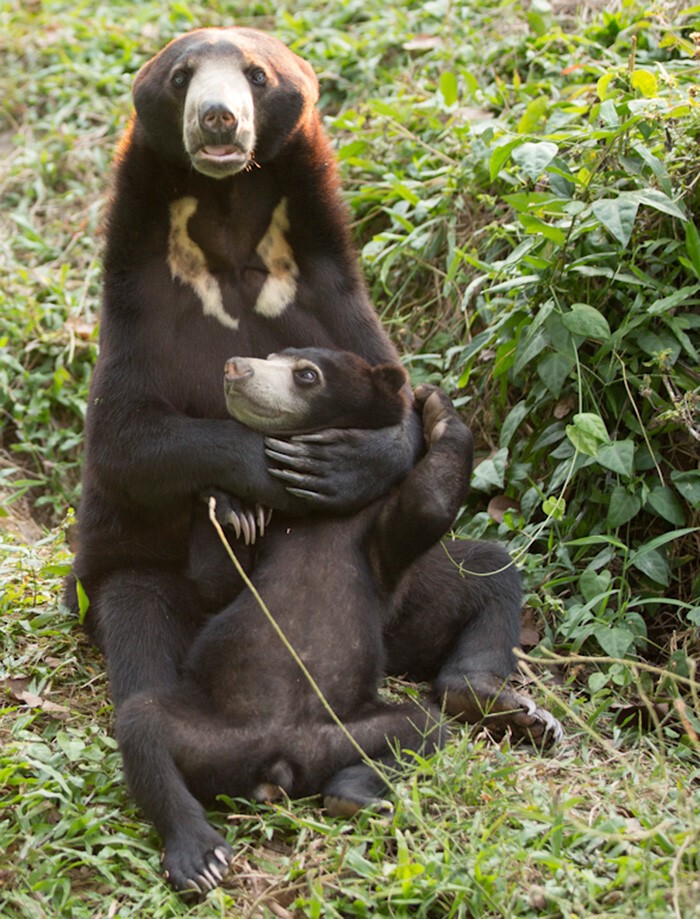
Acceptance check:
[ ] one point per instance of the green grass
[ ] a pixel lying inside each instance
(524, 186)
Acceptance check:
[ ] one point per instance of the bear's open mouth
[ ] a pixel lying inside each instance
(228, 158)
(221, 151)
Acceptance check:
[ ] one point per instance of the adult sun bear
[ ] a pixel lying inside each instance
(227, 235)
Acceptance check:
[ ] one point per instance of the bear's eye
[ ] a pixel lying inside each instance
(258, 77)
(306, 376)
(179, 79)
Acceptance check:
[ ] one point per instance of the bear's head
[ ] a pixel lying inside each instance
(299, 391)
(219, 99)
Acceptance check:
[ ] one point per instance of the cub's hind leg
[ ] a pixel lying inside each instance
(383, 735)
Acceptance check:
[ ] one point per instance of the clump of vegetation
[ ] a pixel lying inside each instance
(530, 209)
(525, 181)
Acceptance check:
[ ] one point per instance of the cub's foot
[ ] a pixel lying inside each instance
(437, 412)
(485, 699)
(356, 788)
(248, 522)
(197, 862)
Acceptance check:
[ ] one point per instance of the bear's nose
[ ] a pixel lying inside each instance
(216, 117)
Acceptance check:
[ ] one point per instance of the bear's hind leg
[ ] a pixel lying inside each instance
(147, 620)
(196, 857)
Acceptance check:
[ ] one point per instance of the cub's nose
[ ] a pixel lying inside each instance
(237, 368)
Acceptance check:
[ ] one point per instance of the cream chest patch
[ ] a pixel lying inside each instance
(188, 264)
(280, 286)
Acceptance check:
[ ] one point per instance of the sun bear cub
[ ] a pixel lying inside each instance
(244, 720)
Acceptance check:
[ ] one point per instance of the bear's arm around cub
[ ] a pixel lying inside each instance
(146, 449)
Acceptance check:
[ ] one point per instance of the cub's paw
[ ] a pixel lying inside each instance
(198, 862)
(249, 523)
(438, 413)
(484, 699)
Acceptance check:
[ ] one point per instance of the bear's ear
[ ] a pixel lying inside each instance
(389, 377)
(309, 81)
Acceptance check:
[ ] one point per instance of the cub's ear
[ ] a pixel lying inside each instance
(389, 377)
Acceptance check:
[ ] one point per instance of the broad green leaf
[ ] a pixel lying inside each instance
(677, 298)
(554, 508)
(603, 85)
(448, 87)
(490, 472)
(663, 539)
(587, 321)
(500, 156)
(529, 347)
(533, 224)
(593, 583)
(533, 158)
(384, 108)
(505, 357)
(652, 197)
(83, 601)
(623, 507)
(608, 113)
(676, 324)
(524, 281)
(598, 680)
(353, 149)
(615, 641)
(533, 114)
(471, 83)
(617, 216)
(512, 421)
(646, 83)
(587, 433)
(653, 565)
(525, 201)
(618, 456)
(408, 195)
(688, 484)
(656, 165)
(692, 245)
(553, 369)
(663, 501)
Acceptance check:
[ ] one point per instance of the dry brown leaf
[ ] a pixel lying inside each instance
(565, 406)
(500, 505)
(422, 43)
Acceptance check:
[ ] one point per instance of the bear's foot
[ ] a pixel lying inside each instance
(197, 862)
(485, 699)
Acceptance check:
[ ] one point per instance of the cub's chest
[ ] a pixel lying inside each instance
(233, 260)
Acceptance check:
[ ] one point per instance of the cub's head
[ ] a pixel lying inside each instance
(217, 99)
(302, 390)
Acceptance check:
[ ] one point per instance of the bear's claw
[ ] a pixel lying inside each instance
(197, 865)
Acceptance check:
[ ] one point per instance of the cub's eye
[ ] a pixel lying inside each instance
(306, 376)
(258, 77)
(179, 79)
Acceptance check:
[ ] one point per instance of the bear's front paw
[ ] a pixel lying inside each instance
(245, 521)
(198, 862)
